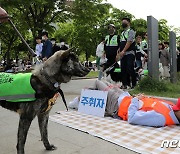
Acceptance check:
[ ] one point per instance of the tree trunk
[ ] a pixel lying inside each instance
(8, 52)
(87, 56)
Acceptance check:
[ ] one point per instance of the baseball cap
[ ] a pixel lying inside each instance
(112, 25)
(177, 106)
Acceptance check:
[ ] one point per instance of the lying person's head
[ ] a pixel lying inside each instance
(176, 109)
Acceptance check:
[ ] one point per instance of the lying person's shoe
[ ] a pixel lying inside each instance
(74, 104)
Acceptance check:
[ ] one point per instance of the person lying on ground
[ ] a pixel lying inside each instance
(140, 110)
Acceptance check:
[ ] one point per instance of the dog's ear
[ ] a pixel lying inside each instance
(66, 53)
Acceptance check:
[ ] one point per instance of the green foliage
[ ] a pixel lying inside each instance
(65, 31)
(92, 74)
(140, 26)
(81, 25)
(36, 15)
(163, 30)
(150, 84)
(82, 57)
(86, 17)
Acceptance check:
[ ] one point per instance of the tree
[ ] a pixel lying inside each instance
(140, 26)
(37, 15)
(163, 30)
(87, 16)
(9, 37)
(30, 16)
(65, 31)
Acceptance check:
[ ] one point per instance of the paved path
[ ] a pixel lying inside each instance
(68, 141)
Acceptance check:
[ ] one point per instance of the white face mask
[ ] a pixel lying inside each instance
(43, 38)
(62, 43)
(53, 42)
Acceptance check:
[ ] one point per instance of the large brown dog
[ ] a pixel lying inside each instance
(56, 70)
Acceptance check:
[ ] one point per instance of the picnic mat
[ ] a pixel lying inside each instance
(140, 139)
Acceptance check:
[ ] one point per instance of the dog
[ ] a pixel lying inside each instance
(45, 80)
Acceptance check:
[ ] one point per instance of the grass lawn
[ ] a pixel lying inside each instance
(173, 91)
(92, 74)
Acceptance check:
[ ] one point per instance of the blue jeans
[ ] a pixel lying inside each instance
(139, 63)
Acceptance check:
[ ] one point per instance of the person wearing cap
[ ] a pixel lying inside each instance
(55, 47)
(127, 54)
(112, 44)
(139, 109)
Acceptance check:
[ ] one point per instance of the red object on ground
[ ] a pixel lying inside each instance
(177, 106)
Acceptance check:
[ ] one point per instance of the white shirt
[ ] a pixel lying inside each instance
(121, 97)
(100, 49)
(39, 49)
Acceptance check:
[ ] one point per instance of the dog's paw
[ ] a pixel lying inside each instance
(51, 147)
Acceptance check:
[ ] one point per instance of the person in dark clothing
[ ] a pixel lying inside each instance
(127, 54)
(63, 46)
(55, 47)
(111, 46)
(47, 47)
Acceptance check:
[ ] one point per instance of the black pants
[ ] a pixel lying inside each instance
(127, 70)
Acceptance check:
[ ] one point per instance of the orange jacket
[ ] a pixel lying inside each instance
(148, 105)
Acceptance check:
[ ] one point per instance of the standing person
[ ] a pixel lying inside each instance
(145, 49)
(139, 52)
(165, 60)
(55, 47)
(111, 47)
(63, 45)
(38, 50)
(47, 46)
(145, 44)
(127, 54)
(166, 46)
(99, 54)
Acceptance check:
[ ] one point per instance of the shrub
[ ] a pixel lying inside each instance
(149, 84)
(178, 76)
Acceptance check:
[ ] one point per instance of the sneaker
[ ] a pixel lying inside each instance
(123, 87)
(74, 104)
(133, 87)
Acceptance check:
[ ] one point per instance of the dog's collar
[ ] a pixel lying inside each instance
(55, 84)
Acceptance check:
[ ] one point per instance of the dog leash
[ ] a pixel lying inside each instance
(63, 98)
(57, 86)
(109, 68)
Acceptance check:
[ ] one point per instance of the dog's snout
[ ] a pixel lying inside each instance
(81, 70)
